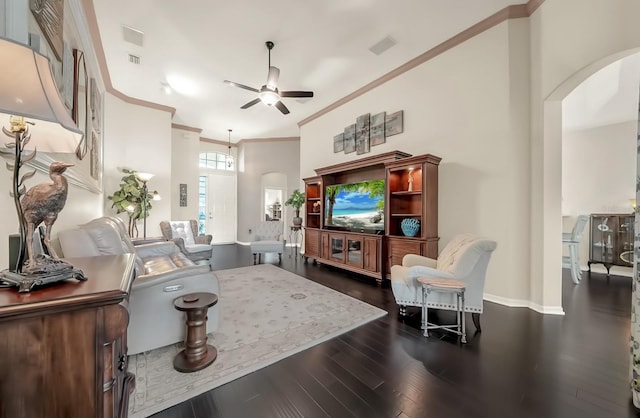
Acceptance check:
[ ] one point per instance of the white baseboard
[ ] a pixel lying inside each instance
(521, 303)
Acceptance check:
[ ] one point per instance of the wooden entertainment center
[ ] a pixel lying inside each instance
(410, 192)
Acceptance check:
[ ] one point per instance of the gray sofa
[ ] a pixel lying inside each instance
(163, 273)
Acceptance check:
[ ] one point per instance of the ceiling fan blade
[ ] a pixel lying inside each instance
(296, 94)
(251, 103)
(242, 86)
(272, 78)
(281, 107)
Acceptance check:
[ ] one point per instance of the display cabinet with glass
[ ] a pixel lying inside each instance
(611, 240)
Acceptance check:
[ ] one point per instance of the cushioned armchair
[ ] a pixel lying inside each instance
(163, 273)
(184, 234)
(268, 238)
(465, 258)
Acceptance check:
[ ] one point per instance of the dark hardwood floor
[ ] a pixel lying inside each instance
(523, 364)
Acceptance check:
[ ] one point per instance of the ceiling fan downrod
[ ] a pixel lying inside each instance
(270, 46)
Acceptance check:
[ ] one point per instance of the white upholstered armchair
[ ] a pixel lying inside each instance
(268, 237)
(464, 258)
(184, 234)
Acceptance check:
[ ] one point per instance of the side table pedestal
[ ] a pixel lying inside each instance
(197, 354)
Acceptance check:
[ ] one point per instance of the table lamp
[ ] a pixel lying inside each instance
(34, 117)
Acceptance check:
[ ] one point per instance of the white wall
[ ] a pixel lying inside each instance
(138, 138)
(570, 40)
(256, 159)
(185, 150)
(598, 171)
(471, 111)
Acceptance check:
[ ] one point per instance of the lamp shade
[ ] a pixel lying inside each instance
(144, 176)
(28, 90)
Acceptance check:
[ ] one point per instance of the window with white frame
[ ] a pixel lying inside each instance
(217, 161)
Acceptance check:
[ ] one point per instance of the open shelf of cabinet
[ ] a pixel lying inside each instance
(313, 202)
(412, 193)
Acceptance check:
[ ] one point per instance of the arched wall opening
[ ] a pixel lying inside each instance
(552, 133)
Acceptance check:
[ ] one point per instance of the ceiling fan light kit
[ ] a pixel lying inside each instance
(269, 97)
(269, 93)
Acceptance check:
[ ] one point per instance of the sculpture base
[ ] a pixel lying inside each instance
(45, 271)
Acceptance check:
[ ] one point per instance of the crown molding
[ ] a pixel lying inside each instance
(186, 128)
(96, 41)
(281, 139)
(510, 12)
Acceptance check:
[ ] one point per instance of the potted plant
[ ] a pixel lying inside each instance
(296, 200)
(129, 199)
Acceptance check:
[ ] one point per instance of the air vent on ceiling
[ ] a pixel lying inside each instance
(134, 59)
(383, 45)
(132, 35)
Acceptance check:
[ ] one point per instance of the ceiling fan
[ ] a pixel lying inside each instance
(269, 93)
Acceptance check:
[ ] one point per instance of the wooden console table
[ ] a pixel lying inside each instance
(63, 348)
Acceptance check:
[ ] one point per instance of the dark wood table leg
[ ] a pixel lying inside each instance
(197, 354)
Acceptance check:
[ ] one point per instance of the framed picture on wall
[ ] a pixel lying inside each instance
(377, 129)
(394, 123)
(338, 142)
(362, 134)
(183, 194)
(49, 16)
(350, 139)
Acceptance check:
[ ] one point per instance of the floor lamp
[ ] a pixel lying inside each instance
(144, 178)
(33, 116)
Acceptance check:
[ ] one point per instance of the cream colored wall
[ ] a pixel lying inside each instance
(185, 150)
(471, 111)
(598, 172)
(138, 138)
(255, 160)
(570, 40)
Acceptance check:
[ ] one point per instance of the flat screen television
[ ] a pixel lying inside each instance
(357, 207)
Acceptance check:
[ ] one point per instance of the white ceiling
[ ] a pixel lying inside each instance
(321, 46)
(607, 97)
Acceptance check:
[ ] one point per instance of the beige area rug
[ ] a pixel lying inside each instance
(266, 314)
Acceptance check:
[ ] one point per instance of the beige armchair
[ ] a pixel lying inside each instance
(184, 234)
(268, 237)
(464, 258)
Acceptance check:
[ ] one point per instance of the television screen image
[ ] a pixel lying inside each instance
(356, 207)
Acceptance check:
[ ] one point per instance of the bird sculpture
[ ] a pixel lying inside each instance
(42, 203)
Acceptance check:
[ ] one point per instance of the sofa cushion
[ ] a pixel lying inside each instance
(267, 246)
(196, 248)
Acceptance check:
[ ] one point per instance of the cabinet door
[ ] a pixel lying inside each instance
(116, 384)
(336, 247)
(398, 248)
(311, 243)
(371, 254)
(354, 250)
(625, 240)
(602, 238)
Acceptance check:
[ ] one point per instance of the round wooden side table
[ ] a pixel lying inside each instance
(197, 354)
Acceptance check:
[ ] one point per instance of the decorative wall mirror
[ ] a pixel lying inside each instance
(79, 111)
